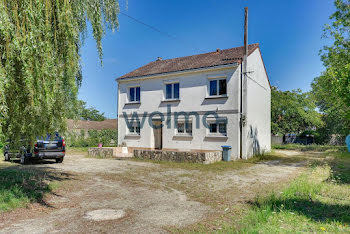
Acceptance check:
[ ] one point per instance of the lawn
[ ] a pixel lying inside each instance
(316, 201)
(22, 185)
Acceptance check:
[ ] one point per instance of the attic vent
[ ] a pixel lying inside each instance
(159, 59)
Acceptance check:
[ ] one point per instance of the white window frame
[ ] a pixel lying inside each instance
(129, 97)
(172, 83)
(218, 122)
(217, 79)
(135, 125)
(185, 133)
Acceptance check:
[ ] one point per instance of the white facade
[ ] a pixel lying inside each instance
(194, 96)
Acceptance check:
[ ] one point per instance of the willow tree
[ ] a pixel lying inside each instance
(40, 70)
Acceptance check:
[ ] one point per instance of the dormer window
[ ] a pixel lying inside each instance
(134, 94)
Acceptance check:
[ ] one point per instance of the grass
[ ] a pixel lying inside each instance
(311, 147)
(77, 150)
(217, 166)
(21, 186)
(317, 201)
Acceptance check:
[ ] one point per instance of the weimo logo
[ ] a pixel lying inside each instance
(170, 118)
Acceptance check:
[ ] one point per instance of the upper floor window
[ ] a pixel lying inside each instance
(217, 87)
(134, 94)
(172, 91)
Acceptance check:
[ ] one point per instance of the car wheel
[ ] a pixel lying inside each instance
(7, 157)
(59, 160)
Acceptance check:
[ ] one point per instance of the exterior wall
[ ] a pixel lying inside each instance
(193, 93)
(256, 136)
(258, 115)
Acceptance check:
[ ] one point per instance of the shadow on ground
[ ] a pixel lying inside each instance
(20, 185)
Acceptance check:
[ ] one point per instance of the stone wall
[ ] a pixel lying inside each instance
(109, 152)
(179, 156)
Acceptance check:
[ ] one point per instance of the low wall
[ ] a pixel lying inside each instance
(179, 156)
(109, 152)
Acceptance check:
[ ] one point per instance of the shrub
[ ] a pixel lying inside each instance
(92, 138)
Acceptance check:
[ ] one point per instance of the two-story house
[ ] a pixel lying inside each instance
(198, 102)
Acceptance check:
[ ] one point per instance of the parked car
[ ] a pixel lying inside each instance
(44, 148)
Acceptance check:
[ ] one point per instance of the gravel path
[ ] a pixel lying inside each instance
(119, 196)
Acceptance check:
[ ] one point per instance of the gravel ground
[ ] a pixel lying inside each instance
(120, 196)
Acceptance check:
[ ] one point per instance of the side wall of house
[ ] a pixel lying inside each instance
(258, 119)
(193, 98)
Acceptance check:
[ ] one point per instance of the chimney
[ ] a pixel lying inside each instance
(217, 50)
(159, 59)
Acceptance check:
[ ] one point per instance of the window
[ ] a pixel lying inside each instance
(134, 127)
(172, 91)
(184, 128)
(218, 128)
(217, 87)
(134, 94)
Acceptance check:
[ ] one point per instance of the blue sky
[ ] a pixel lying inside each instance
(289, 33)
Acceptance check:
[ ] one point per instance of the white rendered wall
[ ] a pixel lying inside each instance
(193, 93)
(258, 124)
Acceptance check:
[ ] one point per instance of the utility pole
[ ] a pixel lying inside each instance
(245, 39)
(244, 70)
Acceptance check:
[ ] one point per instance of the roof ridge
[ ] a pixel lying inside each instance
(212, 52)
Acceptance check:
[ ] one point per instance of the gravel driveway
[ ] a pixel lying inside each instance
(120, 196)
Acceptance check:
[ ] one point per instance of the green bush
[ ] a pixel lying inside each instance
(92, 138)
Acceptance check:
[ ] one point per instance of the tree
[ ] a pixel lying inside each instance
(332, 89)
(293, 112)
(334, 110)
(40, 70)
(84, 113)
(336, 57)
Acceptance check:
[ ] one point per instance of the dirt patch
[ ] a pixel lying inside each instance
(104, 214)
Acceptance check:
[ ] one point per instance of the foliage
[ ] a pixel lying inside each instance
(82, 112)
(92, 138)
(336, 58)
(332, 89)
(317, 201)
(40, 69)
(293, 112)
(334, 110)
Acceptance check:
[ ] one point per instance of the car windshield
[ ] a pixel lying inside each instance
(49, 137)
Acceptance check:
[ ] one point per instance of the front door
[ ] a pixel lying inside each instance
(157, 131)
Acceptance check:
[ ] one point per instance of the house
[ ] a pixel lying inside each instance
(86, 125)
(198, 103)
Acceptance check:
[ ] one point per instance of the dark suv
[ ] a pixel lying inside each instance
(48, 148)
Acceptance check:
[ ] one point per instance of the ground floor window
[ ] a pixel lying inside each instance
(218, 127)
(134, 127)
(184, 128)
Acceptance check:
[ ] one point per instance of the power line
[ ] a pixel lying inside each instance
(162, 32)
